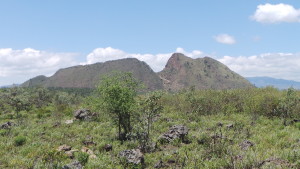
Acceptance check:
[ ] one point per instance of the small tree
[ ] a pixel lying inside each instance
(151, 107)
(118, 91)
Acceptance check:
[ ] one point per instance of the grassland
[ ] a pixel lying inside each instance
(219, 122)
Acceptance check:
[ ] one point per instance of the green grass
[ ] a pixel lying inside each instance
(33, 141)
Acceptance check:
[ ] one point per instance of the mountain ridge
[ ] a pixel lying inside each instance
(180, 72)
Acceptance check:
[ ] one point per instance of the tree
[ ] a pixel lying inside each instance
(151, 107)
(118, 91)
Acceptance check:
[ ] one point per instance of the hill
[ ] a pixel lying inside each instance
(203, 73)
(180, 72)
(87, 76)
(278, 83)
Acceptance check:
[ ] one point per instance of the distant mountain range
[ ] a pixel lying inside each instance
(277, 83)
(9, 86)
(180, 72)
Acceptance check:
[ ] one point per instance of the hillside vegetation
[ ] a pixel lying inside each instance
(180, 72)
(237, 128)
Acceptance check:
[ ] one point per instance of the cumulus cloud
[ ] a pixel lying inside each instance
(269, 13)
(155, 61)
(277, 65)
(225, 39)
(21, 65)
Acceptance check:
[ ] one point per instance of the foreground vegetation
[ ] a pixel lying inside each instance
(249, 128)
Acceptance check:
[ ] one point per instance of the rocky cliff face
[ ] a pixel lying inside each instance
(202, 73)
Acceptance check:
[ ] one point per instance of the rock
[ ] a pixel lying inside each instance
(64, 148)
(89, 152)
(219, 124)
(107, 147)
(134, 156)
(177, 131)
(171, 161)
(229, 126)
(56, 124)
(73, 165)
(68, 121)
(276, 161)
(83, 114)
(246, 144)
(70, 153)
(6, 125)
(159, 164)
(88, 143)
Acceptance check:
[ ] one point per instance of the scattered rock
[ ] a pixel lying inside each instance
(88, 143)
(159, 164)
(229, 126)
(73, 165)
(64, 148)
(56, 124)
(70, 153)
(246, 144)
(134, 156)
(89, 152)
(171, 161)
(177, 131)
(107, 147)
(68, 121)
(83, 114)
(7, 125)
(238, 157)
(276, 161)
(219, 124)
(148, 148)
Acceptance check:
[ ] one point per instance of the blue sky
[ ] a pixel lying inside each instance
(254, 38)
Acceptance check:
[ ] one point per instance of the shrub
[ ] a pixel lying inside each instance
(82, 157)
(19, 140)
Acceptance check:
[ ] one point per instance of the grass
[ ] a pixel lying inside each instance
(33, 141)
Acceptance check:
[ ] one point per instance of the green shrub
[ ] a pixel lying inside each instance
(82, 157)
(20, 140)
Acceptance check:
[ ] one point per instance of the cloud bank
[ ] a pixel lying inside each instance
(269, 13)
(17, 66)
(225, 39)
(276, 65)
(21, 65)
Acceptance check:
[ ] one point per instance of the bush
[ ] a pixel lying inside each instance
(82, 158)
(19, 140)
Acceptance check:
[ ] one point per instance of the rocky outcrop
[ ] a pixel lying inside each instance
(83, 114)
(134, 156)
(6, 125)
(73, 165)
(176, 131)
(202, 73)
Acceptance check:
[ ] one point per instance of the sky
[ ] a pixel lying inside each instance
(253, 38)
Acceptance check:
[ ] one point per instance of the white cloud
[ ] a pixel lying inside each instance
(225, 39)
(277, 65)
(155, 61)
(269, 13)
(16, 66)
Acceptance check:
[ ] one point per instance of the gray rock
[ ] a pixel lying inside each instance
(134, 156)
(108, 147)
(73, 165)
(246, 144)
(159, 164)
(6, 125)
(177, 131)
(229, 126)
(83, 114)
(64, 148)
